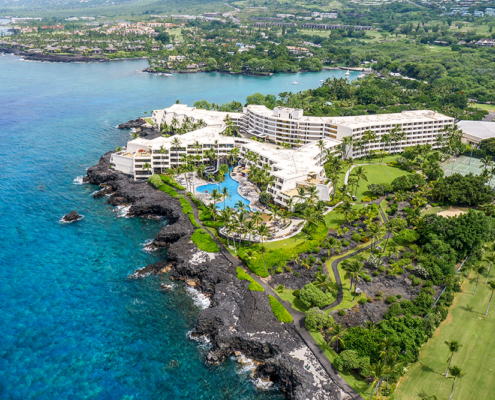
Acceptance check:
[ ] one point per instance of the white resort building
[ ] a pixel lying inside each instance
(292, 168)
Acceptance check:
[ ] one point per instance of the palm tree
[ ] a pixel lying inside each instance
(257, 217)
(249, 254)
(336, 332)
(369, 137)
(345, 208)
(387, 349)
(479, 269)
(135, 135)
(491, 260)
(263, 233)
(225, 194)
(386, 139)
(147, 167)
(176, 142)
(359, 173)
(321, 145)
(454, 347)
(379, 371)
(485, 162)
(354, 271)
(456, 372)
(491, 285)
(323, 281)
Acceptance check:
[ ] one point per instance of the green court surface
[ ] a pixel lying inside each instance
(464, 165)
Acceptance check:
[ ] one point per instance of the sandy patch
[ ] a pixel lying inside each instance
(452, 212)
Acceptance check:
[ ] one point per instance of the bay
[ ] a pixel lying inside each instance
(74, 323)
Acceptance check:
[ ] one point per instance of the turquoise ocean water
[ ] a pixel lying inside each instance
(73, 324)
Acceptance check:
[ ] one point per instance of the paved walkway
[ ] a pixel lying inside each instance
(299, 317)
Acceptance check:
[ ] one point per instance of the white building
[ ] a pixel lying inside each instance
(291, 168)
(290, 125)
(476, 131)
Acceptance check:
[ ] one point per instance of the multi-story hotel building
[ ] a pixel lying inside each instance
(290, 125)
(291, 168)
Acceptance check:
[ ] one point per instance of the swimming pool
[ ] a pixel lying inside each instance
(232, 186)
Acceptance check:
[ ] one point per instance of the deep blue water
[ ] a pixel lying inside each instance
(73, 324)
(232, 186)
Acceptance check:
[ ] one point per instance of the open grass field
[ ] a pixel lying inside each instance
(467, 324)
(486, 107)
(376, 174)
(333, 219)
(314, 32)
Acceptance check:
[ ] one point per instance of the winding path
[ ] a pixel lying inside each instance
(298, 316)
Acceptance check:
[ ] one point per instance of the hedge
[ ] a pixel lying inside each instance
(193, 221)
(171, 182)
(203, 240)
(186, 206)
(155, 181)
(243, 276)
(279, 256)
(279, 310)
(167, 189)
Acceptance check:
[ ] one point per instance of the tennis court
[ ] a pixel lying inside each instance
(464, 165)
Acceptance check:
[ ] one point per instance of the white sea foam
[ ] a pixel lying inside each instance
(199, 298)
(122, 211)
(146, 246)
(262, 385)
(203, 341)
(96, 192)
(246, 365)
(78, 180)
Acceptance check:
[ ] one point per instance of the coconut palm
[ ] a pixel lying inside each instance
(257, 217)
(225, 193)
(485, 162)
(147, 167)
(379, 371)
(249, 254)
(336, 333)
(321, 145)
(359, 173)
(176, 142)
(354, 270)
(479, 269)
(387, 349)
(324, 282)
(491, 260)
(491, 285)
(455, 373)
(263, 233)
(345, 208)
(454, 347)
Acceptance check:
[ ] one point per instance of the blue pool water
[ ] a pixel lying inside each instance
(73, 324)
(232, 186)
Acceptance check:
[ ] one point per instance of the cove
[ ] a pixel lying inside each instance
(75, 324)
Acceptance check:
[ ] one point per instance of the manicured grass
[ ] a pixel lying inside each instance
(243, 275)
(288, 243)
(486, 107)
(356, 382)
(172, 182)
(434, 210)
(279, 310)
(203, 240)
(467, 324)
(167, 189)
(296, 304)
(334, 219)
(149, 121)
(377, 174)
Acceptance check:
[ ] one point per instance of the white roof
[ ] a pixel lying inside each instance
(396, 118)
(292, 163)
(478, 129)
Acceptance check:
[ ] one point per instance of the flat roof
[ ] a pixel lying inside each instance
(478, 129)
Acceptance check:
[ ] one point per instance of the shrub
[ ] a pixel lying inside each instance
(391, 299)
(312, 296)
(356, 237)
(342, 312)
(279, 310)
(399, 296)
(296, 293)
(296, 274)
(204, 242)
(243, 275)
(380, 189)
(363, 300)
(155, 181)
(317, 319)
(280, 288)
(279, 270)
(376, 273)
(170, 181)
(406, 236)
(265, 198)
(417, 281)
(186, 206)
(312, 259)
(379, 293)
(193, 221)
(345, 243)
(382, 268)
(320, 268)
(367, 278)
(366, 199)
(167, 189)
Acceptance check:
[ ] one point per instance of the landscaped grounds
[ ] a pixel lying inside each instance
(467, 324)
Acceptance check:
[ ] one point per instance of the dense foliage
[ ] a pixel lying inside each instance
(463, 190)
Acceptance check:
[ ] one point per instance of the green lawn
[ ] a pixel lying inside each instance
(467, 324)
(333, 219)
(434, 210)
(377, 174)
(346, 285)
(486, 107)
(149, 120)
(356, 382)
(297, 304)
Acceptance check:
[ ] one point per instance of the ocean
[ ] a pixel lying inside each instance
(75, 323)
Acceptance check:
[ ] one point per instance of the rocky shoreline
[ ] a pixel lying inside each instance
(238, 320)
(58, 57)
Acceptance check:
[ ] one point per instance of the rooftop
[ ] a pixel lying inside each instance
(478, 129)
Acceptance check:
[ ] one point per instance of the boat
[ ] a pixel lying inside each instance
(361, 76)
(295, 83)
(347, 72)
(167, 74)
(321, 80)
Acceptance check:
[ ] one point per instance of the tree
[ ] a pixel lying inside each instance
(359, 173)
(491, 285)
(354, 271)
(225, 194)
(479, 269)
(336, 333)
(317, 319)
(454, 347)
(147, 167)
(263, 233)
(379, 371)
(176, 142)
(455, 373)
(312, 296)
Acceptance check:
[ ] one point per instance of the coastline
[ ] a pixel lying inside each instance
(238, 320)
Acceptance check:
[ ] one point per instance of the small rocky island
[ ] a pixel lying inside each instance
(72, 217)
(238, 319)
